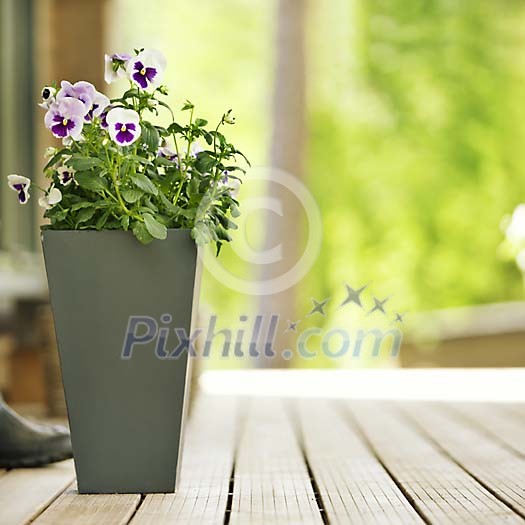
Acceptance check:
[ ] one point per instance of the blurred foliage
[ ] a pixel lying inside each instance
(416, 133)
(417, 118)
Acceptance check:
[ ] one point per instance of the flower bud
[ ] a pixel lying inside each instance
(50, 152)
(48, 92)
(228, 118)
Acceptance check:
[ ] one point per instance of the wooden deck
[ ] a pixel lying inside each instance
(311, 461)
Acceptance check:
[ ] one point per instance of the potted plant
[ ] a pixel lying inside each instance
(128, 202)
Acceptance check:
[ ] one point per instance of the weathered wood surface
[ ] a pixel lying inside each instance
(299, 461)
(353, 486)
(497, 421)
(486, 459)
(439, 488)
(25, 493)
(70, 507)
(209, 451)
(271, 482)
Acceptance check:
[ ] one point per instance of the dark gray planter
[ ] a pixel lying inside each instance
(126, 415)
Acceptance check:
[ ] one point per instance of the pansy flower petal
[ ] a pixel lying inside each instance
(115, 66)
(65, 118)
(146, 69)
(53, 196)
(123, 126)
(81, 90)
(20, 185)
(66, 175)
(100, 103)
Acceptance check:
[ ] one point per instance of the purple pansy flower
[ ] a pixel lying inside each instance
(100, 103)
(104, 115)
(94, 102)
(82, 90)
(66, 175)
(65, 118)
(147, 68)
(123, 126)
(52, 197)
(21, 186)
(115, 66)
(166, 151)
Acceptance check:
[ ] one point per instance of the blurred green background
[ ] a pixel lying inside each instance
(416, 125)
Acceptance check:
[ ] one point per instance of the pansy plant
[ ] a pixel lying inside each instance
(117, 169)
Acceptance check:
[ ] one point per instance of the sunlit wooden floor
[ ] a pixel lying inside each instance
(285, 459)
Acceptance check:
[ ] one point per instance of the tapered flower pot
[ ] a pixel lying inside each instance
(126, 411)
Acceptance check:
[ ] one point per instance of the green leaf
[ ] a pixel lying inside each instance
(82, 204)
(144, 183)
(101, 204)
(205, 162)
(124, 221)
(168, 204)
(149, 205)
(222, 234)
(89, 181)
(56, 157)
(225, 221)
(137, 158)
(202, 233)
(234, 168)
(101, 222)
(200, 122)
(56, 214)
(150, 136)
(175, 128)
(162, 161)
(132, 195)
(237, 152)
(141, 233)
(84, 163)
(219, 136)
(234, 210)
(154, 227)
(193, 187)
(132, 92)
(84, 215)
(187, 105)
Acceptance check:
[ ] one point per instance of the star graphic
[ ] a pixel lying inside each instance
(398, 317)
(318, 307)
(292, 327)
(353, 296)
(379, 306)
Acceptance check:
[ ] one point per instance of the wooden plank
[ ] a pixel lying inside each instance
(271, 483)
(353, 485)
(441, 491)
(87, 509)
(208, 456)
(24, 493)
(489, 461)
(494, 419)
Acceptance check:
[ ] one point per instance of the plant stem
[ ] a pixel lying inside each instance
(178, 192)
(116, 185)
(185, 173)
